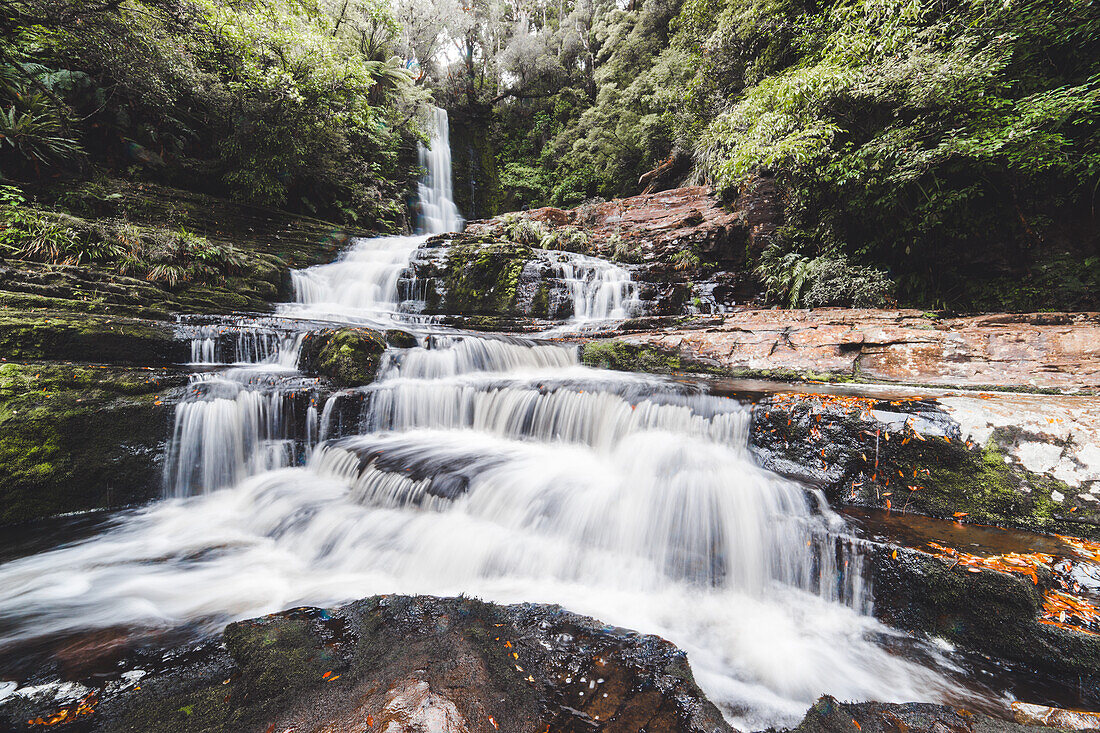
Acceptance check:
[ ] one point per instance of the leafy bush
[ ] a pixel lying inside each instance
(799, 281)
(566, 238)
(277, 104)
(519, 228)
(836, 281)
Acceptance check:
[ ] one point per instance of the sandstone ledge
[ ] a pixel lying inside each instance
(1059, 351)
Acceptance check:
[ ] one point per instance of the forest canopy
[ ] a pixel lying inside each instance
(943, 153)
(286, 104)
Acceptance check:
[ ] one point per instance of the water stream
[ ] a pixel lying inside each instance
(490, 466)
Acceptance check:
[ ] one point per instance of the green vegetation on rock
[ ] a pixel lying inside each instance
(349, 357)
(65, 336)
(80, 437)
(481, 278)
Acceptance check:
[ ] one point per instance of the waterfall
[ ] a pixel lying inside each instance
(364, 284)
(491, 466)
(438, 212)
(600, 290)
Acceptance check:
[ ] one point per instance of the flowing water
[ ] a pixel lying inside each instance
(490, 466)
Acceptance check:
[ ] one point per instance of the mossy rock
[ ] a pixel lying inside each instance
(74, 438)
(349, 357)
(908, 455)
(624, 357)
(400, 339)
(64, 336)
(481, 278)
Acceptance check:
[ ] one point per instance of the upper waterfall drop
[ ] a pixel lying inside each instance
(438, 212)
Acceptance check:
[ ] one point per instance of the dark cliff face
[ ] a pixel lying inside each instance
(399, 663)
(474, 175)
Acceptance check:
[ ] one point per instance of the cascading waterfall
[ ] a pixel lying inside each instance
(438, 212)
(600, 290)
(494, 467)
(363, 283)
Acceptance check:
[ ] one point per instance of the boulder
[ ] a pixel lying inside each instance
(349, 357)
(403, 665)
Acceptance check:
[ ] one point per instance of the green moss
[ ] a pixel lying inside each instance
(348, 356)
(977, 482)
(624, 357)
(983, 484)
(482, 278)
(74, 438)
(540, 304)
(65, 336)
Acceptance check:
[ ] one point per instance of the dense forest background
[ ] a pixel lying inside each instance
(938, 153)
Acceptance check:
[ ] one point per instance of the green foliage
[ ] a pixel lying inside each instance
(624, 250)
(685, 259)
(937, 141)
(164, 256)
(278, 104)
(943, 147)
(519, 228)
(798, 281)
(566, 238)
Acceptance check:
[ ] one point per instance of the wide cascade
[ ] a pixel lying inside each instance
(483, 465)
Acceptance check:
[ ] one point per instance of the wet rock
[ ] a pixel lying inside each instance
(349, 357)
(909, 454)
(829, 715)
(74, 438)
(991, 612)
(400, 339)
(410, 664)
(621, 356)
(495, 284)
(65, 336)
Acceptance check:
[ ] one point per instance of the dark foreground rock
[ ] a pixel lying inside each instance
(829, 715)
(402, 665)
(998, 614)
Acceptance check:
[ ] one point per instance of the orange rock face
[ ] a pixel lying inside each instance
(1043, 350)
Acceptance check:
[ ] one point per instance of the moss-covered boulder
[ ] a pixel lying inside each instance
(75, 438)
(480, 278)
(349, 357)
(621, 356)
(50, 335)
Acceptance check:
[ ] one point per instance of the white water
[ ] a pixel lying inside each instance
(491, 467)
(600, 290)
(438, 212)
